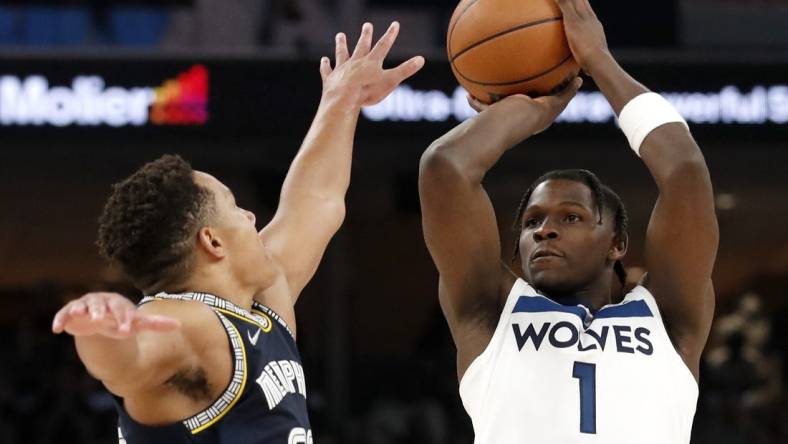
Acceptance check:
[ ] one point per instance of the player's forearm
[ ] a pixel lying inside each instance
(477, 144)
(616, 84)
(322, 166)
(669, 152)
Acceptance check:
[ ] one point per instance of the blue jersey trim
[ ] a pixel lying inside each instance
(632, 309)
(540, 304)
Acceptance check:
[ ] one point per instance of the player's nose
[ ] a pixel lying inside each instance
(546, 231)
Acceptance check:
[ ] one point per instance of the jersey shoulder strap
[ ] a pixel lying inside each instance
(208, 417)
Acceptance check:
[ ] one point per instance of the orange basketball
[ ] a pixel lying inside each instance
(503, 47)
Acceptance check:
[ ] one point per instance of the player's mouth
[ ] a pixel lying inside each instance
(545, 256)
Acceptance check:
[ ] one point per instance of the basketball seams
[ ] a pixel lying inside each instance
(503, 33)
(454, 25)
(487, 50)
(515, 82)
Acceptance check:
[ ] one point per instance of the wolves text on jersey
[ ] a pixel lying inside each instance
(618, 338)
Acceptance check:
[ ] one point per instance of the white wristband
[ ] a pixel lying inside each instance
(644, 114)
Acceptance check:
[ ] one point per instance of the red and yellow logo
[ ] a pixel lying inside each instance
(182, 100)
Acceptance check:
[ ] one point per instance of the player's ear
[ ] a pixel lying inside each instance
(618, 248)
(209, 241)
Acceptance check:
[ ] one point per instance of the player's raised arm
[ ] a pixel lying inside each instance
(459, 223)
(312, 202)
(682, 237)
(126, 348)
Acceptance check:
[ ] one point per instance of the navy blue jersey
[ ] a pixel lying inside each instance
(265, 401)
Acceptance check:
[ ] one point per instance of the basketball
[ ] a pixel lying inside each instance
(503, 47)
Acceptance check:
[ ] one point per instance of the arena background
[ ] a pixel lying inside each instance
(77, 113)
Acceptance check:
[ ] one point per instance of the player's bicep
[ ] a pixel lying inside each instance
(681, 245)
(461, 233)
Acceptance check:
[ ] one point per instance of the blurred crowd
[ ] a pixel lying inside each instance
(46, 395)
(307, 26)
(743, 377)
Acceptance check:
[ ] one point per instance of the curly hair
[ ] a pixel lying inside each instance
(604, 197)
(150, 221)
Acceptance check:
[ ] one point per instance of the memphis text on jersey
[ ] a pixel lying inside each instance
(281, 378)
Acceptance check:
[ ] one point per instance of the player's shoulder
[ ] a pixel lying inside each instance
(178, 308)
(279, 299)
(195, 317)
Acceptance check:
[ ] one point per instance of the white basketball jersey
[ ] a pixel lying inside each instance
(555, 374)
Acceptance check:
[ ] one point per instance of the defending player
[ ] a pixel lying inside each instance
(210, 355)
(550, 359)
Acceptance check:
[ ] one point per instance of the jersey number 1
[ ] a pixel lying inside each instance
(586, 375)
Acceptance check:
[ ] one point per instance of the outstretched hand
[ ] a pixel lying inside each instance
(361, 75)
(108, 314)
(544, 109)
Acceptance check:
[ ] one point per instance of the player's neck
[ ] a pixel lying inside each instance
(223, 285)
(593, 296)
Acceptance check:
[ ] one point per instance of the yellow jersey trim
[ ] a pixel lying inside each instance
(230, 397)
(264, 326)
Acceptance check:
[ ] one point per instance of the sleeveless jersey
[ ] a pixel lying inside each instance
(556, 374)
(265, 401)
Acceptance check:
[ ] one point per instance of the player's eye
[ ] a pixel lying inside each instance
(572, 218)
(531, 222)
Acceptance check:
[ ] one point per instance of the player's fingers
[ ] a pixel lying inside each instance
(58, 321)
(585, 9)
(341, 52)
(325, 68)
(563, 97)
(128, 319)
(570, 91)
(156, 323)
(123, 312)
(383, 46)
(71, 310)
(78, 308)
(364, 42)
(115, 310)
(61, 318)
(476, 104)
(568, 8)
(97, 306)
(406, 69)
